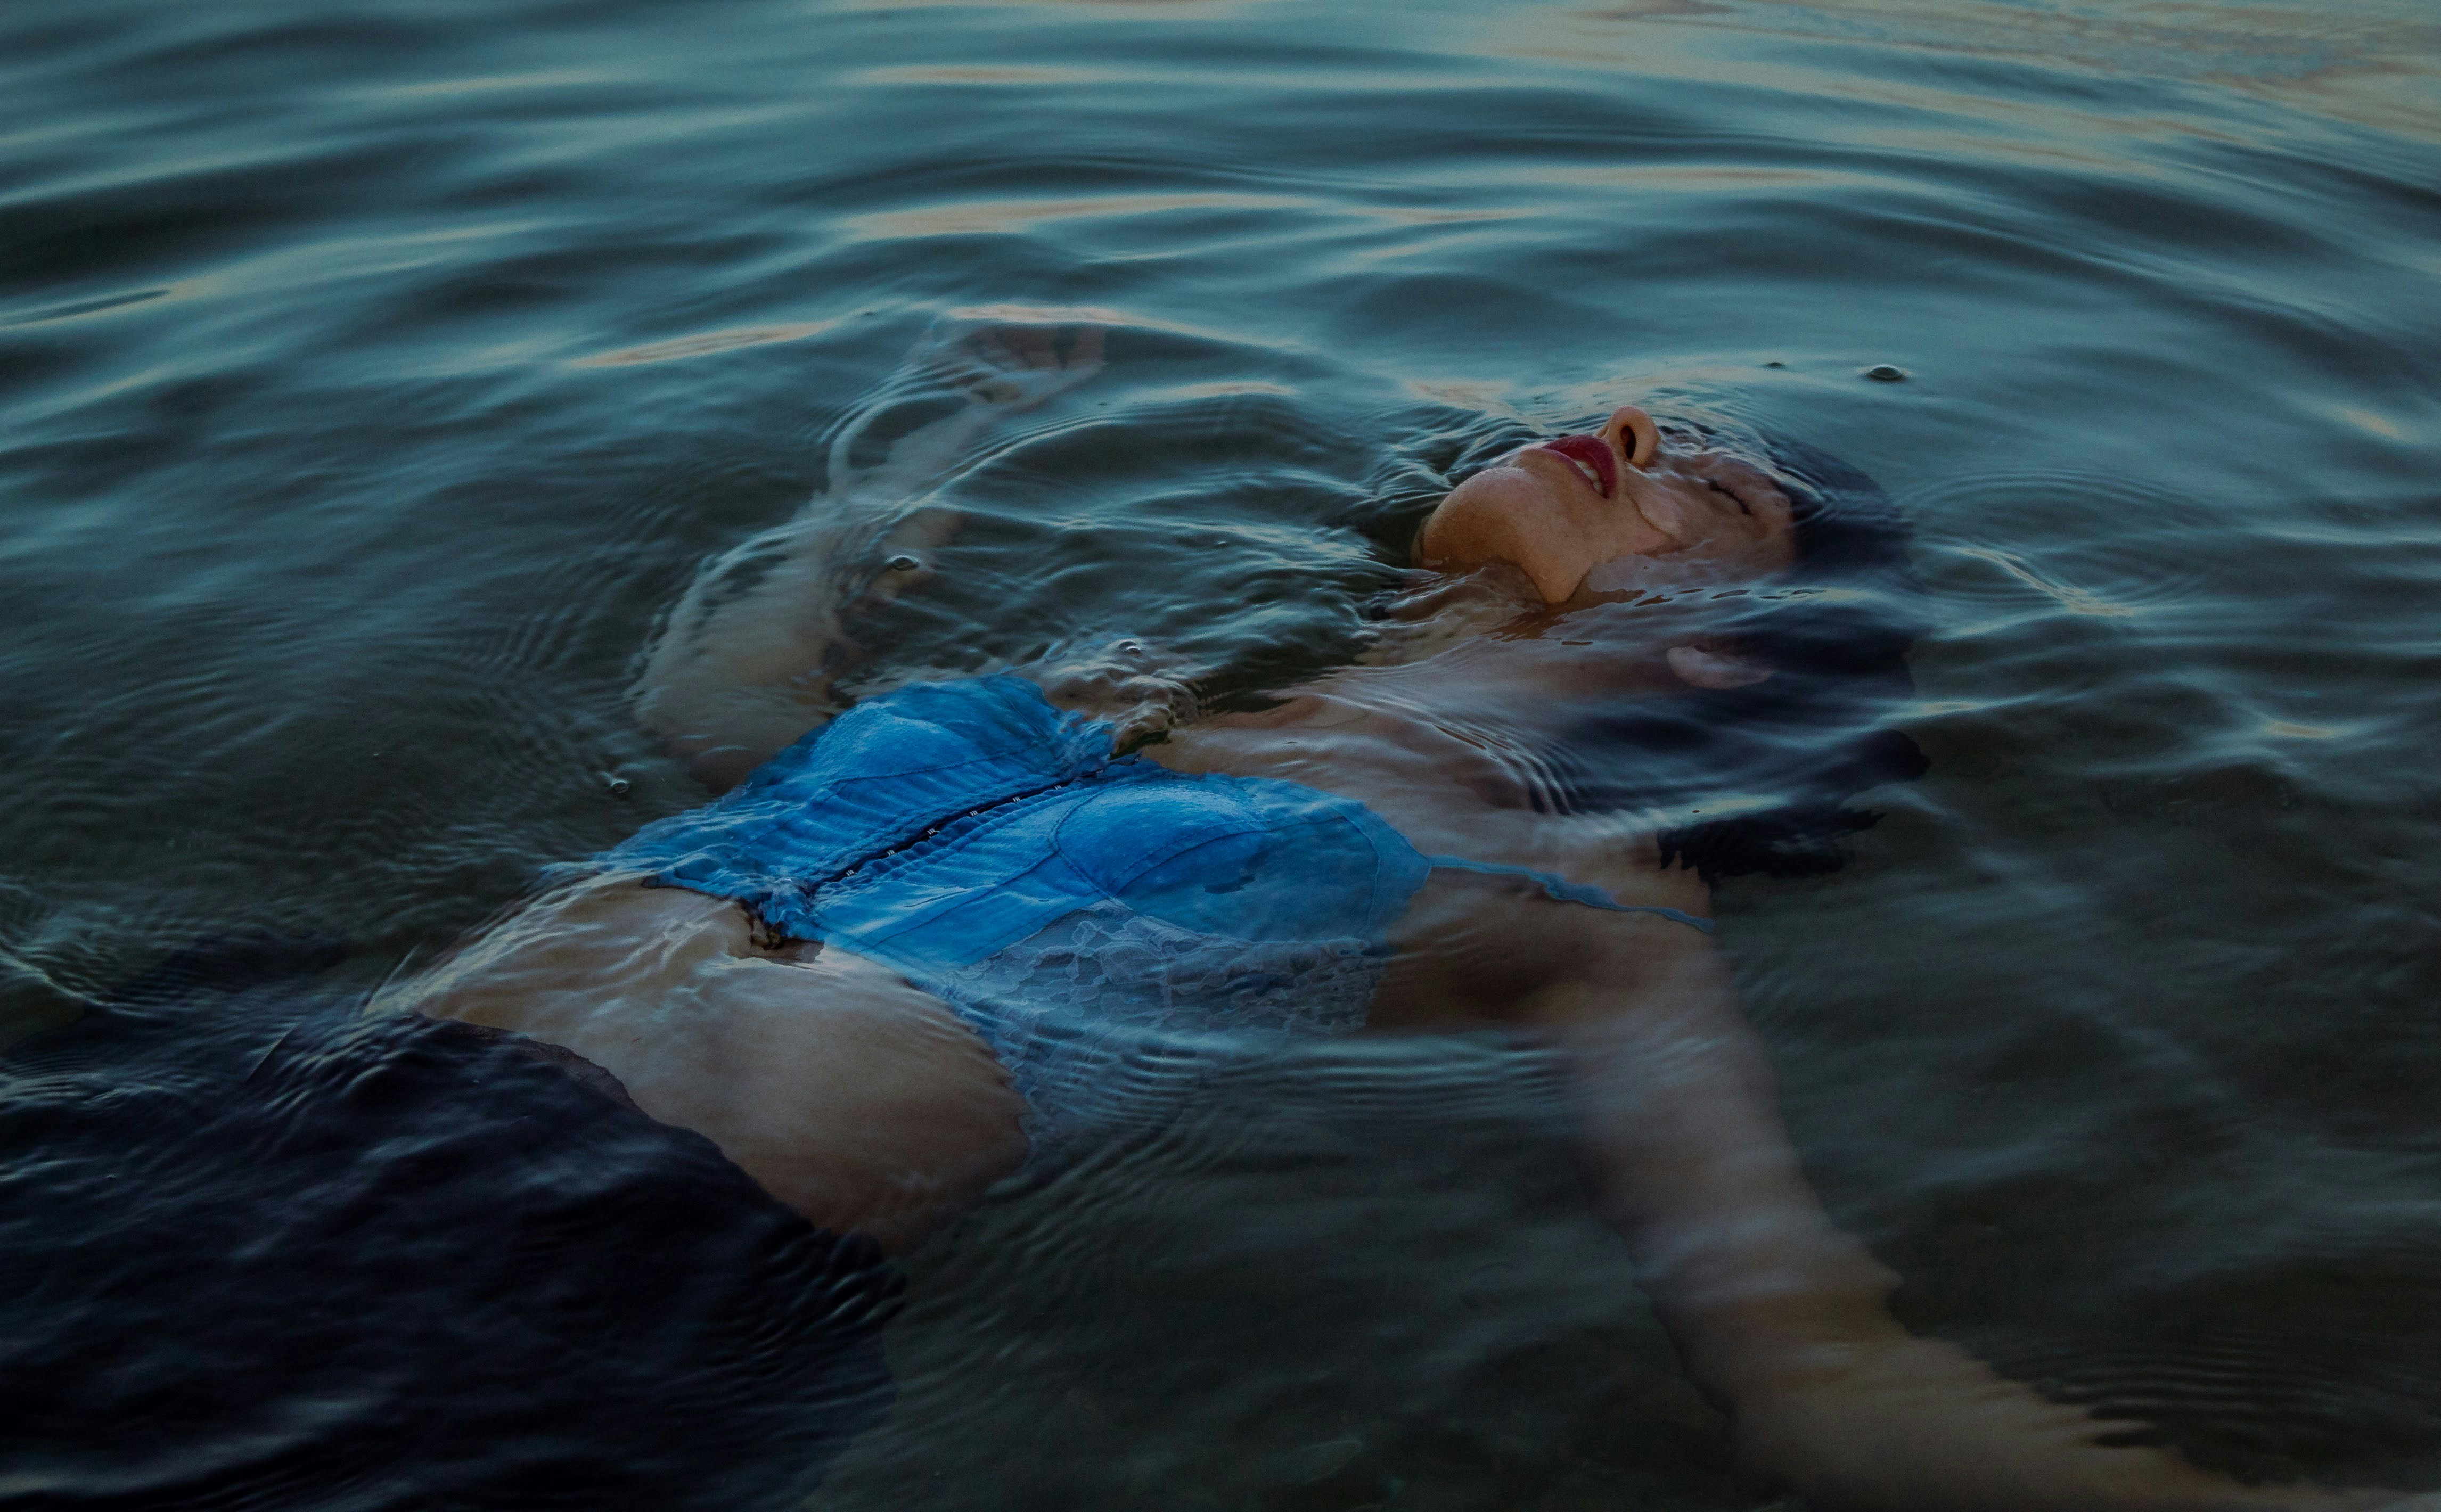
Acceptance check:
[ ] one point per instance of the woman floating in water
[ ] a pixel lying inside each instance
(971, 922)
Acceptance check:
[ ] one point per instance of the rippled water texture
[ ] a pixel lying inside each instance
(371, 375)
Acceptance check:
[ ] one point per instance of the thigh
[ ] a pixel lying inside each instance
(855, 1098)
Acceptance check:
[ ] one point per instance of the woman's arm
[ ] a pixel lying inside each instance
(1779, 1315)
(748, 659)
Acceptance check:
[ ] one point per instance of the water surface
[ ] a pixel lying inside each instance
(371, 377)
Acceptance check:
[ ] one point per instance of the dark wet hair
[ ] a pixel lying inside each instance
(1776, 760)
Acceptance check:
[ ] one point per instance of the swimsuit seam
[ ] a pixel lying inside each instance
(941, 838)
(825, 792)
(1161, 858)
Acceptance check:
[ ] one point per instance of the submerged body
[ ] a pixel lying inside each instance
(947, 929)
(920, 877)
(1075, 906)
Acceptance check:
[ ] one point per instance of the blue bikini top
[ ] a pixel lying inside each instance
(938, 825)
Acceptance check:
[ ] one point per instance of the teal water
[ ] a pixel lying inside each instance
(371, 377)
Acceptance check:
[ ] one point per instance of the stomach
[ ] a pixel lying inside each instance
(850, 1095)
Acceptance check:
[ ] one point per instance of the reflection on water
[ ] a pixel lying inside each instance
(371, 380)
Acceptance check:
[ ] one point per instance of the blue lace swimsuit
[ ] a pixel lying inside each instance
(1092, 917)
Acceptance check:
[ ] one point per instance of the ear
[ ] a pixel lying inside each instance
(1700, 668)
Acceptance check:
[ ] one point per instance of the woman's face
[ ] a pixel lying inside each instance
(1560, 510)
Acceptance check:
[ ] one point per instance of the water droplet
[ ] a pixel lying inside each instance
(1882, 373)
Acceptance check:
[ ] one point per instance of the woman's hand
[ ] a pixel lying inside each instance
(748, 657)
(1894, 1423)
(1012, 362)
(1125, 684)
(1004, 359)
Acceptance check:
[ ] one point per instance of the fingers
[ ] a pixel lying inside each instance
(1020, 346)
(1022, 366)
(1013, 364)
(1016, 347)
(1037, 348)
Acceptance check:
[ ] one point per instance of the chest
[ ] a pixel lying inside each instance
(1452, 784)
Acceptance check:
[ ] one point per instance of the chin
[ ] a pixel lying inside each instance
(1504, 514)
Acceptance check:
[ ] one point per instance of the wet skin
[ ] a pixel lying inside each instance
(1561, 512)
(611, 970)
(867, 1105)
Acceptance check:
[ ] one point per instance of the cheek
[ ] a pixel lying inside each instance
(1677, 520)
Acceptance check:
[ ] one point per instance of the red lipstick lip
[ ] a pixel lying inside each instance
(1594, 453)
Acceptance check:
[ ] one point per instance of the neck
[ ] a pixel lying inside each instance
(1478, 648)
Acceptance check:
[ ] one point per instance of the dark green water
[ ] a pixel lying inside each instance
(371, 377)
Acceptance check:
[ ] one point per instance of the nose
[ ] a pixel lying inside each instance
(1634, 433)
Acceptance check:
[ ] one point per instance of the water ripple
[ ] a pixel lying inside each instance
(374, 381)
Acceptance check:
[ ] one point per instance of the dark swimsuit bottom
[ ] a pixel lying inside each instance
(1074, 907)
(278, 1255)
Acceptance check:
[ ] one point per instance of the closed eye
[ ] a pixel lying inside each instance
(1731, 495)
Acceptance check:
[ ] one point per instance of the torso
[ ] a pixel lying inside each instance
(1437, 749)
(1424, 749)
(1444, 751)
